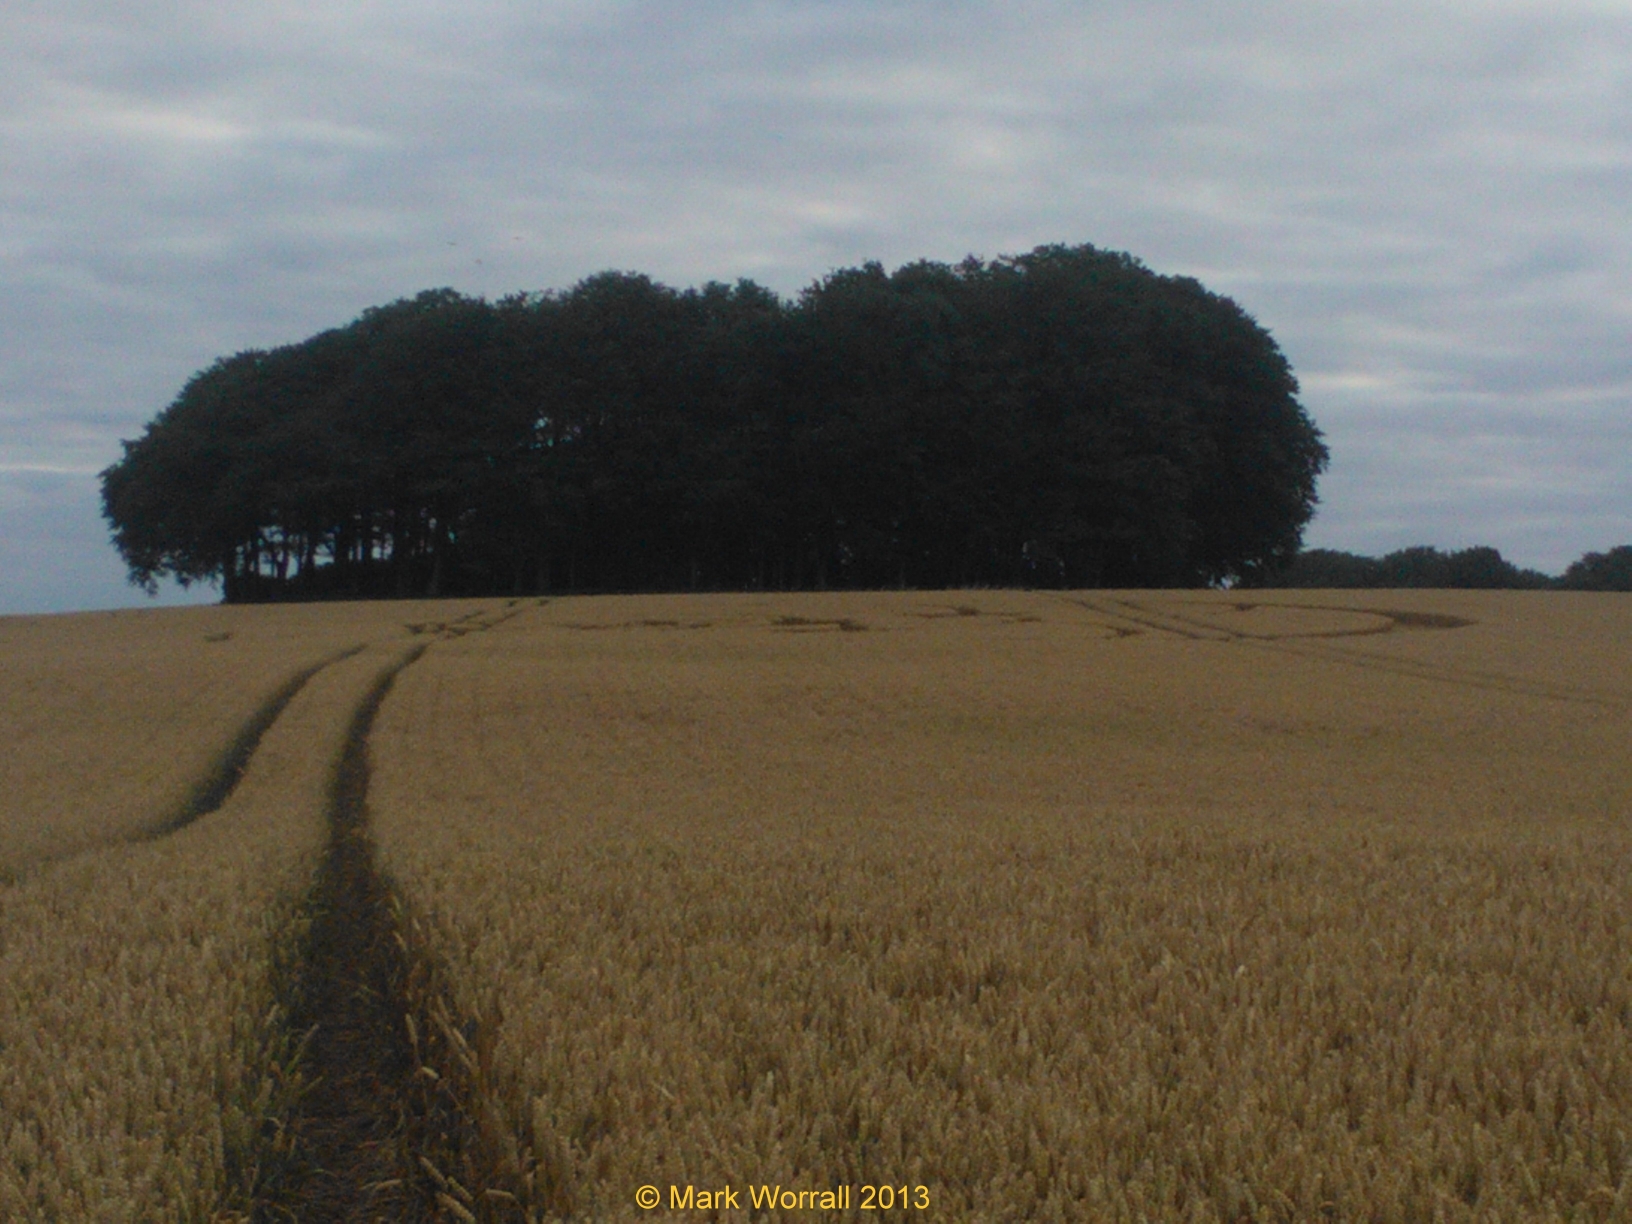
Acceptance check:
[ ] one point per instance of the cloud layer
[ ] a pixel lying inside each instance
(1425, 204)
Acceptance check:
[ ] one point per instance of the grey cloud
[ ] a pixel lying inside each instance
(1424, 202)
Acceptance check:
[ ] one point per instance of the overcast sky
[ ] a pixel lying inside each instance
(1429, 205)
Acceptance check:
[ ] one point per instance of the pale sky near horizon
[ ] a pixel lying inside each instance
(1426, 204)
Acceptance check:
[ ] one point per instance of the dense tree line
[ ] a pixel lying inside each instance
(1605, 571)
(1470, 568)
(1063, 417)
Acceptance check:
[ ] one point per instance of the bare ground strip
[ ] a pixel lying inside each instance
(389, 1123)
(348, 1136)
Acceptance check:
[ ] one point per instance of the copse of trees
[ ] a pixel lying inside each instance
(1611, 571)
(1063, 417)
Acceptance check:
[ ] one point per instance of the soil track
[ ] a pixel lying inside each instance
(351, 1135)
(381, 1134)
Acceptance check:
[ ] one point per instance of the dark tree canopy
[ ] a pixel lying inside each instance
(1606, 571)
(1064, 417)
(1478, 568)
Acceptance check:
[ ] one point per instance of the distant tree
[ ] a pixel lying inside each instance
(1420, 566)
(1483, 568)
(1605, 571)
(1325, 567)
(1470, 568)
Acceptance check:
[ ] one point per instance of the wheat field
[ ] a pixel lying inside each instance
(109, 719)
(1122, 906)
(142, 1052)
(1020, 905)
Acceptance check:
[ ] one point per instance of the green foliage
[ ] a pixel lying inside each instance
(1063, 417)
(1611, 571)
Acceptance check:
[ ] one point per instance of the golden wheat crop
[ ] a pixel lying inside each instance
(108, 719)
(1080, 906)
(140, 1043)
(136, 991)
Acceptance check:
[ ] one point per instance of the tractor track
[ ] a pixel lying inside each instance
(385, 1128)
(223, 777)
(211, 790)
(349, 1137)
